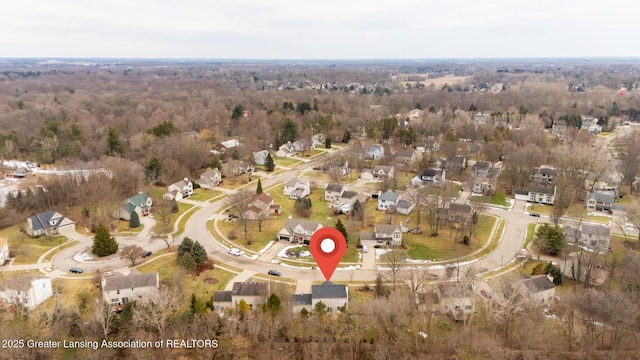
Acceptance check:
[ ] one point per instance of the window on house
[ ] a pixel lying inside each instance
(118, 292)
(329, 309)
(468, 307)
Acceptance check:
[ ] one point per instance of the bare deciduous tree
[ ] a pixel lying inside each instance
(105, 314)
(395, 261)
(239, 203)
(132, 253)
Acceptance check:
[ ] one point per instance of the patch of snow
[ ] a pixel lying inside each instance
(252, 257)
(297, 267)
(83, 256)
(350, 267)
(380, 252)
(283, 252)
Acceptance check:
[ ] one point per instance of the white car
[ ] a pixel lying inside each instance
(365, 249)
(235, 251)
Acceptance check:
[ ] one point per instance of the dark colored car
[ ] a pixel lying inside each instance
(148, 253)
(534, 214)
(76, 270)
(274, 272)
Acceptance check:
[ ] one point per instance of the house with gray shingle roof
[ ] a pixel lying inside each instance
(333, 192)
(334, 296)
(388, 200)
(140, 203)
(27, 291)
(595, 237)
(120, 289)
(600, 200)
(179, 190)
(298, 230)
(389, 235)
(48, 223)
(540, 288)
(296, 188)
(210, 179)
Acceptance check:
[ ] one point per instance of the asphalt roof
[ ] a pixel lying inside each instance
(222, 296)
(328, 290)
(389, 195)
(335, 187)
(308, 225)
(41, 221)
(132, 281)
(250, 289)
(301, 299)
(538, 283)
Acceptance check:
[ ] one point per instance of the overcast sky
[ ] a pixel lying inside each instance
(321, 29)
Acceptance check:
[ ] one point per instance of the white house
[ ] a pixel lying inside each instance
(600, 200)
(48, 223)
(286, 150)
(296, 188)
(388, 200)
(542, 195)
(480, 169)
(298, 230)
(375, 152)
(407, 156)
(404, 207)
(433, 176)
(120, 289)
(333, 192)
(210, 179)
(27, 291)
(559, 127)
(480, 118)
(382, 172)
(317, 140)
(4, 250)
(179, 190)
(540, 288)
(390, 235)
(140, 203)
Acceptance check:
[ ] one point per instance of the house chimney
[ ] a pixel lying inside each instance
(550, 277)
(186, 180)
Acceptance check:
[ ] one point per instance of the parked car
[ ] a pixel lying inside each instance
(235, 251)
(534, 214)
(147, 254)
(365, 249)
(76, 270)
(274, 272)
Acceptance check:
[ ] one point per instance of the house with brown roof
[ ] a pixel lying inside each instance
(260, 207)
(254, 294)
(120, 289)
(539, 288)
(298, 230)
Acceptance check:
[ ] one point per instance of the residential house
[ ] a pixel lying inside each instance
(388, 200)
(382, 172)
(210, 179)
(27, 291)
(415, 115)
(333, 192)
(254, 294)
(260, 157)
(539, 288)
(230, 144)
(260, 207)
(543, 175)
(390, 235)
(375, 152)
(480, 169)
(120, 289)
(334, 296)
(457, 300)
(179, 190)
(4, 250)
(337, 166)
(595, 237)
(594, 129)
(455, 162)
(301, 301)
(140, 203)
(345, 203)
(432, 144)
(236, 167)
(317, 140)
(480, 118)
(286, 150)
(483, 185)
(559, 127)
(49, 223)
(367, 174)
(407, 156)
(404, 207)
(422, 148)
(429, 176)
(298, 230)
(605, 183)
(296, 188)
(542, 194)
(456, 213)
(600, 200)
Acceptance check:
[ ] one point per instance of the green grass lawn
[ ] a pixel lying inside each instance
(531, 232)
(64, 246)
(541, 209)
(203, 194)
(27, 250)
(183, 222)
(496, 199)
(288, 162)
(351, 177)
(238, 181)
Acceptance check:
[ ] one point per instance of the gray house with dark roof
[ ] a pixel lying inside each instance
(301, 301)
(120, 289)
(600, 200)
(333, 192)
(390, 235)
(48, 223)
(334, 296)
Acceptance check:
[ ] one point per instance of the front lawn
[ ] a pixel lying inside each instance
(540, 209)
(201, 194)
(27, 250)
(287, 162)
(498, 198)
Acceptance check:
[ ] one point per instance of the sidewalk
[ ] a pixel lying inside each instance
(243, 276)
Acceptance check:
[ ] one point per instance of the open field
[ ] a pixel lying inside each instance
(27, 250)
(438, 82)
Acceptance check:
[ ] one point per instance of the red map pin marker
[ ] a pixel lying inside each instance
(327, 246)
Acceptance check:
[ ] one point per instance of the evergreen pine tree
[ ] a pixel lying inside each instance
(343, 230)
(269, 163)
(327, 143)
(103, 243)
(134, 222)
(259, 188)
(174, 206)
